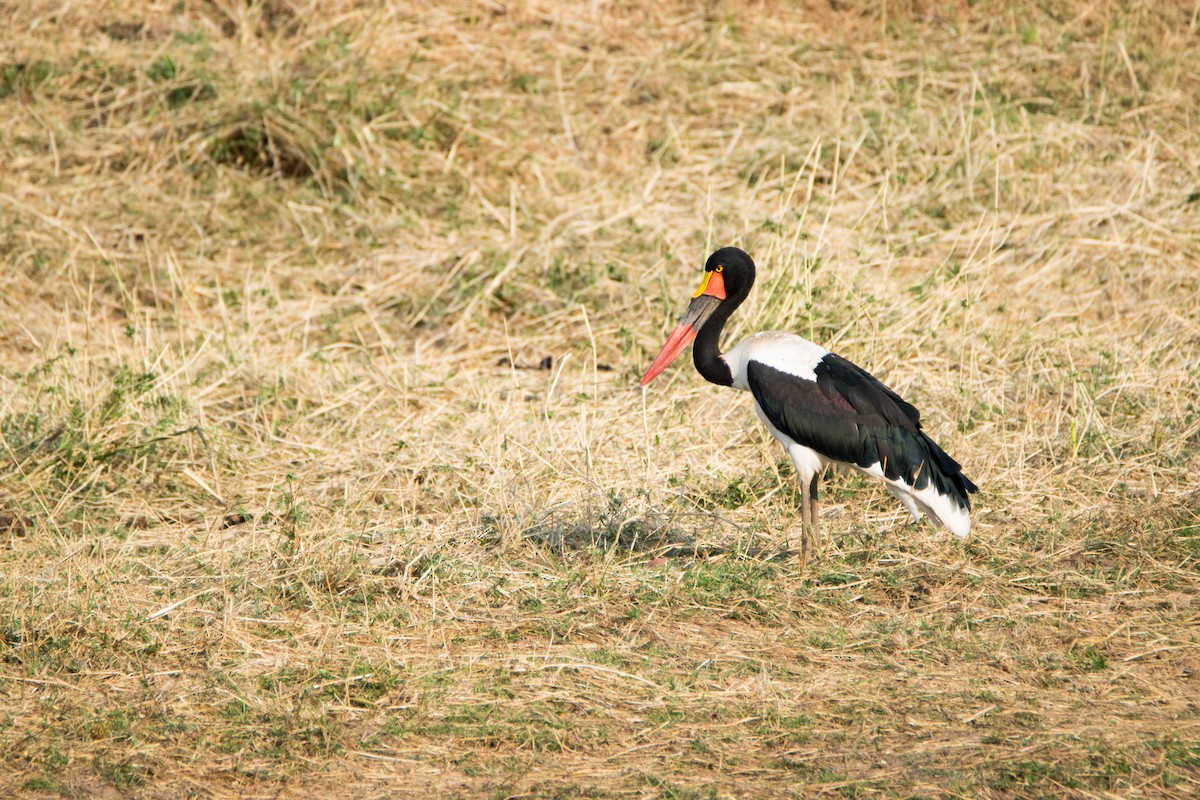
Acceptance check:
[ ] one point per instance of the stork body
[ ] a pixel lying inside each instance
(822, 408)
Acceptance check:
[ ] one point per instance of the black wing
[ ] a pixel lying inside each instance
(847, 415)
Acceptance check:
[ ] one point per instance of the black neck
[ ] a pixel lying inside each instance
(706, 351)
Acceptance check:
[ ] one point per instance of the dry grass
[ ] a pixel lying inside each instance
(283, 512)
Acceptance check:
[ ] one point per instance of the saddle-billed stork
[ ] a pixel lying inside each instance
(822, 408)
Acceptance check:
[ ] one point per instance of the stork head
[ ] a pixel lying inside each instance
(735, 269)
(728, 276)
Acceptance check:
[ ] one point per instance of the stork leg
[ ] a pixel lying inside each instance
(804, 517)
(810, 517)
(814, 511)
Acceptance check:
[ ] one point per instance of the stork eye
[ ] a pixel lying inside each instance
(720, 268)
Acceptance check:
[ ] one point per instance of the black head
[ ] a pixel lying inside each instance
(736, 267)
(728, 276)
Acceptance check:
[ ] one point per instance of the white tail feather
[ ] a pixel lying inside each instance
(942, 507)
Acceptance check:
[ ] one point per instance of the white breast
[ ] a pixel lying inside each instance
(786, 352)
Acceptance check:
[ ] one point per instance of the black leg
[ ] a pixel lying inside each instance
(805, 514)
(814, 510)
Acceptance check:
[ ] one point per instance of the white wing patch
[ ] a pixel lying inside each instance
(785, 352)
(942, 507)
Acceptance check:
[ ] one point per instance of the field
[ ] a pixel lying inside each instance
(323, 466)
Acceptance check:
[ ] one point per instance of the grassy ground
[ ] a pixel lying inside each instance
(322, 467)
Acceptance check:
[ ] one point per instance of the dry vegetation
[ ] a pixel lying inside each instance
(292, 503)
